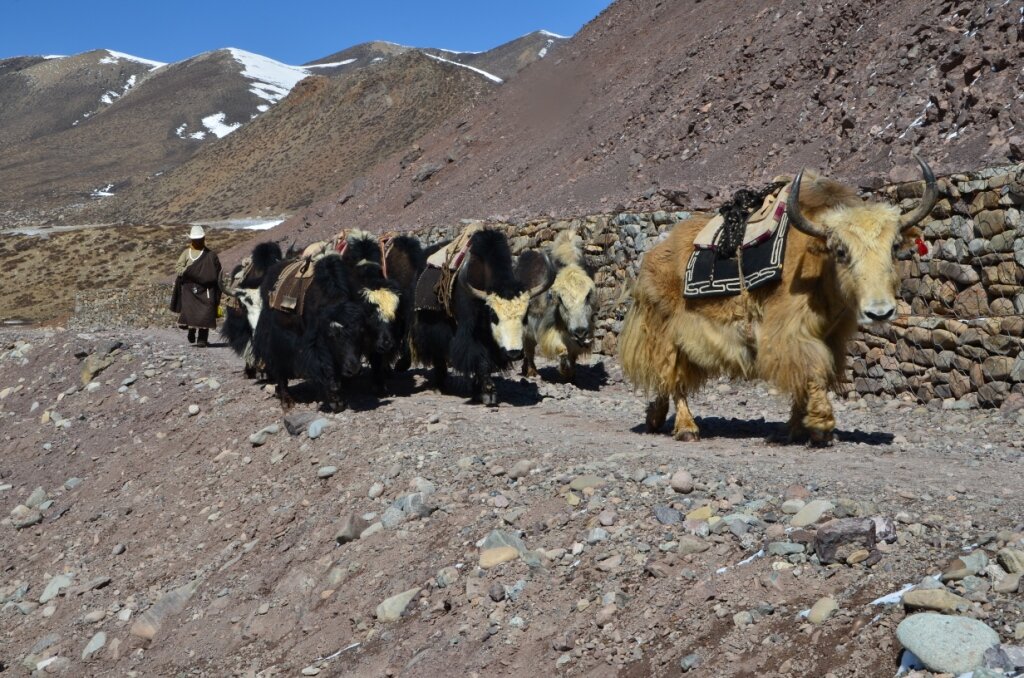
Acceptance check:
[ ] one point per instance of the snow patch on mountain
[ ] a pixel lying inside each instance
(215, 123)
(333, 64)
(111, 95)
(272, 80)
(544, 50)
(118, 56)
(553, 35)
(489, 76)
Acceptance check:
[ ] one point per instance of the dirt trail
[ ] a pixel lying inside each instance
(167, 501)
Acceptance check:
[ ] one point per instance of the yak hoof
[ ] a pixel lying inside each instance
(819, 438)
(657, 413)
(687, 436)
(529, 371)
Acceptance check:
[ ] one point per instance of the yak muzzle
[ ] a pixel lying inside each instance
(515, 354)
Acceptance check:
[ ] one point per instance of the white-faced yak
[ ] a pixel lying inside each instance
(793, 333)
(560, 322)
(320, 340)
(243, 305)
(478, 328)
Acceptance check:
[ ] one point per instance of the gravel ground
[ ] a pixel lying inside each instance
(548, 535)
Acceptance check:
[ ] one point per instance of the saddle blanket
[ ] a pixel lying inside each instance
(710, 273)
(290, 289)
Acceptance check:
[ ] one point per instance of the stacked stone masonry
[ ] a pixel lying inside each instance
(957, 339)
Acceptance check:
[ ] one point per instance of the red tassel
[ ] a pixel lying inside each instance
(922, 247)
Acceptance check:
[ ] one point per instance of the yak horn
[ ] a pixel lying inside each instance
(475, 292)
(928, 200)
(796, 217)
(538, 289)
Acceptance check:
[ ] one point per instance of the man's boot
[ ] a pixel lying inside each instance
(191, 335)
(204, 335)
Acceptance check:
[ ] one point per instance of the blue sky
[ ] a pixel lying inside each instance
(292, 31)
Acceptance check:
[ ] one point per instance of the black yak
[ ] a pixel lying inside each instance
(403, 263)
(321, 343)
(380, 297)
(242, 302)
(480, 331)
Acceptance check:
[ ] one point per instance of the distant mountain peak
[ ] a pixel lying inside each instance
(272, 80)
(118, 56)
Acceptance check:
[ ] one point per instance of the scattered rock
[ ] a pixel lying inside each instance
(521, 469)
(811, 513)
(326, 471)
(1012, 560)
(822, 610)
(689, 545)
(260, 437)
(297, 422)
(54, 587)
(22, 517)
(583, 482)
(945, 643)
(148, 625)
(350, 529)
(94, 645)
(392, 608)
(193, 410)
(495, 556)
(939, 600)
(837, 539)
(681, 482)
(667, 515)
(317, 427)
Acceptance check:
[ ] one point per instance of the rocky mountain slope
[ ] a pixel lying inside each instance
(326, 133)
(156, 125)
(503, 61)
(159, 517)
(124, 120)
(693, 97)
(84, 85)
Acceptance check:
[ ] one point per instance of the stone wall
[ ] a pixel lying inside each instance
(958, 337)
(137, 306)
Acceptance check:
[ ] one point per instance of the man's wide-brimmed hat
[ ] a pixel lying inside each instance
(197, 233)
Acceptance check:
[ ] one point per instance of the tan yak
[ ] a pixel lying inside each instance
(839, 272)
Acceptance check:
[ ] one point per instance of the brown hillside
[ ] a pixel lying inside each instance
(693, 95)
(45, 96)
(131, 139)
(313, 143)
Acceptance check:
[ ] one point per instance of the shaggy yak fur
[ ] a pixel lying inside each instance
(322, 344)
(405, 262)
(240, 321)
(560, 323)
(486, 333)
(839, 271)
(380, 297)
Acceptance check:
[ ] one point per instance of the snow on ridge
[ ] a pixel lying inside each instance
(272, 80)
(332, 64)
(215, 123)
(489, 76)
(55, 56)
(117, 56)
(455, 51)
(552, 35)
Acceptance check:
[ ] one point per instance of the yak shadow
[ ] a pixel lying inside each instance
(217, 344)
(588, 377)
(358, 393)
(769, 431)
(517, 392)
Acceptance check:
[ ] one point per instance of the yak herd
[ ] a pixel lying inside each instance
(361, 305)
(483, 310)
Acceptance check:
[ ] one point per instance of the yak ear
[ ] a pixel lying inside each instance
(534, 272)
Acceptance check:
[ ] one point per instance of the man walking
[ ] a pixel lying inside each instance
(197, 288)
